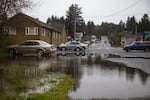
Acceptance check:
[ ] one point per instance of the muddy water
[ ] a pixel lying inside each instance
(95, 76)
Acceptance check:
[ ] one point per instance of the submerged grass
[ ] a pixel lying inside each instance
(59, 92)
(13, 80)
(16, 79)
(3, 54)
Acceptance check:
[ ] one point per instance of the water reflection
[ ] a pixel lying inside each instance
(100, 78)
(95, 77)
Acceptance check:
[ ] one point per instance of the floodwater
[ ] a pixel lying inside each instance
(95, 77)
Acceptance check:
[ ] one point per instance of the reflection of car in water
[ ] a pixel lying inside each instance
(72, 45)
(144, 45)
(71, 54)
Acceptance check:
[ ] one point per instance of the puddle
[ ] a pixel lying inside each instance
(95, 77)
(106, 79)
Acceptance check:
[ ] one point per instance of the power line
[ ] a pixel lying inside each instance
(131, 6)
(116, 13)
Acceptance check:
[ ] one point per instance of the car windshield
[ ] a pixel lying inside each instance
(29, 43)
(25, 43)
(43, 43)
(75, 43)
(67, 43)
(133, 43)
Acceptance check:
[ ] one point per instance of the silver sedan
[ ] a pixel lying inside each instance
(38, 47)
(72, 45)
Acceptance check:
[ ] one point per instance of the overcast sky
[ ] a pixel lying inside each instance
(93, 10)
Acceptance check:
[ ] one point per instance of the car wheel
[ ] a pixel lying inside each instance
(146, 50)
(12, 52)
(40, 53)
(63, 49)
(49, 54)
(77, 49)
(127, 50)
(83, 48)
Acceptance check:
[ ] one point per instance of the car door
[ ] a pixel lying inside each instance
(24, 47)
(34, 46)
(70, 46)
(73, 45)
(136, 46)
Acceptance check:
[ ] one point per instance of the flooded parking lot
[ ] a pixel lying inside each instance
(95, 77)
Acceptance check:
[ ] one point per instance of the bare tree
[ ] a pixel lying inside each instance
(11, 7)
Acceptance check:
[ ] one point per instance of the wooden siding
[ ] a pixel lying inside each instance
(20, 22)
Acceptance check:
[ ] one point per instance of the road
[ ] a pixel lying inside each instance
(135, 59)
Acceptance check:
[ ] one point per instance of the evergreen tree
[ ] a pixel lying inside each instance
(90, 29)
(144, 24)
(121, 26)
(55, 19)
(131, 24)
(108, 27)
(73, 18)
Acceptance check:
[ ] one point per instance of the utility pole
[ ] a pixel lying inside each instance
(136, 31)
(75, 22)
(75, 26)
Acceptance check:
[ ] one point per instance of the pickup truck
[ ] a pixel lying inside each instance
(138, 45)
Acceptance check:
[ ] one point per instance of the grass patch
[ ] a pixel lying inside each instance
(59, 92)
(13, 78)
(3, 54)
(18, 79)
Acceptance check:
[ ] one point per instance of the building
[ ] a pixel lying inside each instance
(114, 38)
(60, 38)
(23, 27)
(127, 38)
(79, 36)
(146, 36)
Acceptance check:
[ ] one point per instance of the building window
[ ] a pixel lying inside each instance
(49, 33)
(31, 30)
(43, 32)
(12, 31)
(54, 34)
(9, 30)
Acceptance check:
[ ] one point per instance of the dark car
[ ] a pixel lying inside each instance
(144, 45)
(37, 47)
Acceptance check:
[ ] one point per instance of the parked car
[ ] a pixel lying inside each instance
(38, 47)
(73, 45)
(144, 45)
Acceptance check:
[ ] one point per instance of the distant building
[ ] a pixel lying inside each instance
(146, 36)
(114, 38)
(79, 36)
(93, 38)
(127, 38)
